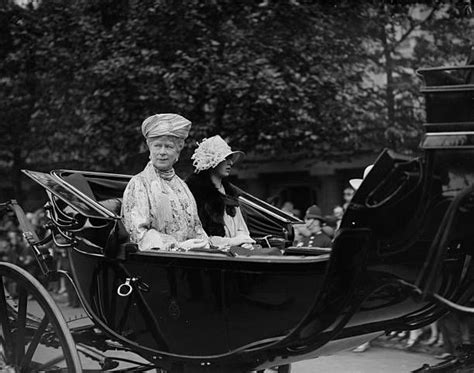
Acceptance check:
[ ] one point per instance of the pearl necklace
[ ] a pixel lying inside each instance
(166, 175)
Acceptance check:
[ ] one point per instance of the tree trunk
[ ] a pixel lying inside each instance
(16, 175)
(389, 89)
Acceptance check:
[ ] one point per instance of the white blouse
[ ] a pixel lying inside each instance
(233, 226)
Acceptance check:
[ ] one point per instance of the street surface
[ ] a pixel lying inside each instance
(392, 358)
(375, 360)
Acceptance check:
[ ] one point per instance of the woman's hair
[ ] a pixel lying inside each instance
(204, 175)
(203, 188)
(177, 141)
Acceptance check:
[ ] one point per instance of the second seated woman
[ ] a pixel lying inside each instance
(217, 200)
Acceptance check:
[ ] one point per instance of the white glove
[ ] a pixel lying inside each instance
(193, 243)
(240, 240)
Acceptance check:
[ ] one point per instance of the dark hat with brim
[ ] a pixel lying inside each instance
(314, 212)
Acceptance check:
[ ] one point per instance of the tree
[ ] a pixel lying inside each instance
(401, 37)
(275, 78)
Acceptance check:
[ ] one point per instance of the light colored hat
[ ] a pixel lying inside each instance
(355, 183)
(212, 151)
(166, 125)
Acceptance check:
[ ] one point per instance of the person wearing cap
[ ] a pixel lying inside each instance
(159, 210)
(217, 200)
(355, 183)
(338, 213)
(347, 194)
(314, 224)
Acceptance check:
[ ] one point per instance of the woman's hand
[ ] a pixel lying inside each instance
(240, 240)
(193, 243)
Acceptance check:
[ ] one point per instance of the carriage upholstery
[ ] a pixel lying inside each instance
(108, 236)
(113, 205)
(80, 182)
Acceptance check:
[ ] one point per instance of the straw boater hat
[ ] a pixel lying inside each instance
(355, 183)
(212, 151)
(166, 125)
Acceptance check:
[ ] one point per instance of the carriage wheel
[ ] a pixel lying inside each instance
(33, 333)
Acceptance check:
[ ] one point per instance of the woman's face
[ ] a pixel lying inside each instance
(348, 194)
(164, 152)
(222, 170)
(338, 212)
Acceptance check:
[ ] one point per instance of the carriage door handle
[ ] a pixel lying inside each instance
(125, 289)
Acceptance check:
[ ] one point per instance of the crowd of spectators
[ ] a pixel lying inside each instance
(14, 249)
(326, 224)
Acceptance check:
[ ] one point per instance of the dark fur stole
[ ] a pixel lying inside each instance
(211, 203)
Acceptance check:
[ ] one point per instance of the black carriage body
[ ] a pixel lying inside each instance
(192, 308)
(199, 306)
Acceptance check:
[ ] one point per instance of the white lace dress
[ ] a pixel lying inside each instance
(159, 213)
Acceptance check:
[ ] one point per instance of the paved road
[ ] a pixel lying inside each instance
(375, 360)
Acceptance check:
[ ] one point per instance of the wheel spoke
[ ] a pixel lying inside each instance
(34, 343)
(7, 336)
(23, 334)
(21, 324)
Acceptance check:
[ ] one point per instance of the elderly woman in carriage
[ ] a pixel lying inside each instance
(159, 210)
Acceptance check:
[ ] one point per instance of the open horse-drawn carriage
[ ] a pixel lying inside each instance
(400, 260)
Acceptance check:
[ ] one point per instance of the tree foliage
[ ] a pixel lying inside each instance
(322, 79)
(399, 39)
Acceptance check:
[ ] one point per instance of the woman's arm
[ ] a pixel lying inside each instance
(237, 232)
(241, 225)
(220, 241)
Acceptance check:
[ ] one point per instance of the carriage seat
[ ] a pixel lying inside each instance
(118, 243)
(80, 183)
(113, 205)
(110, 237)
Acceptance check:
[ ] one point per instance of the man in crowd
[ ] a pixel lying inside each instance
(348, 193)
(315, 236)
(338, 213)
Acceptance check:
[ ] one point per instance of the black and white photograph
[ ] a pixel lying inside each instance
(237, 186)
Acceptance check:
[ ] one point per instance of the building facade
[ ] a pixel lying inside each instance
(301, 181)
